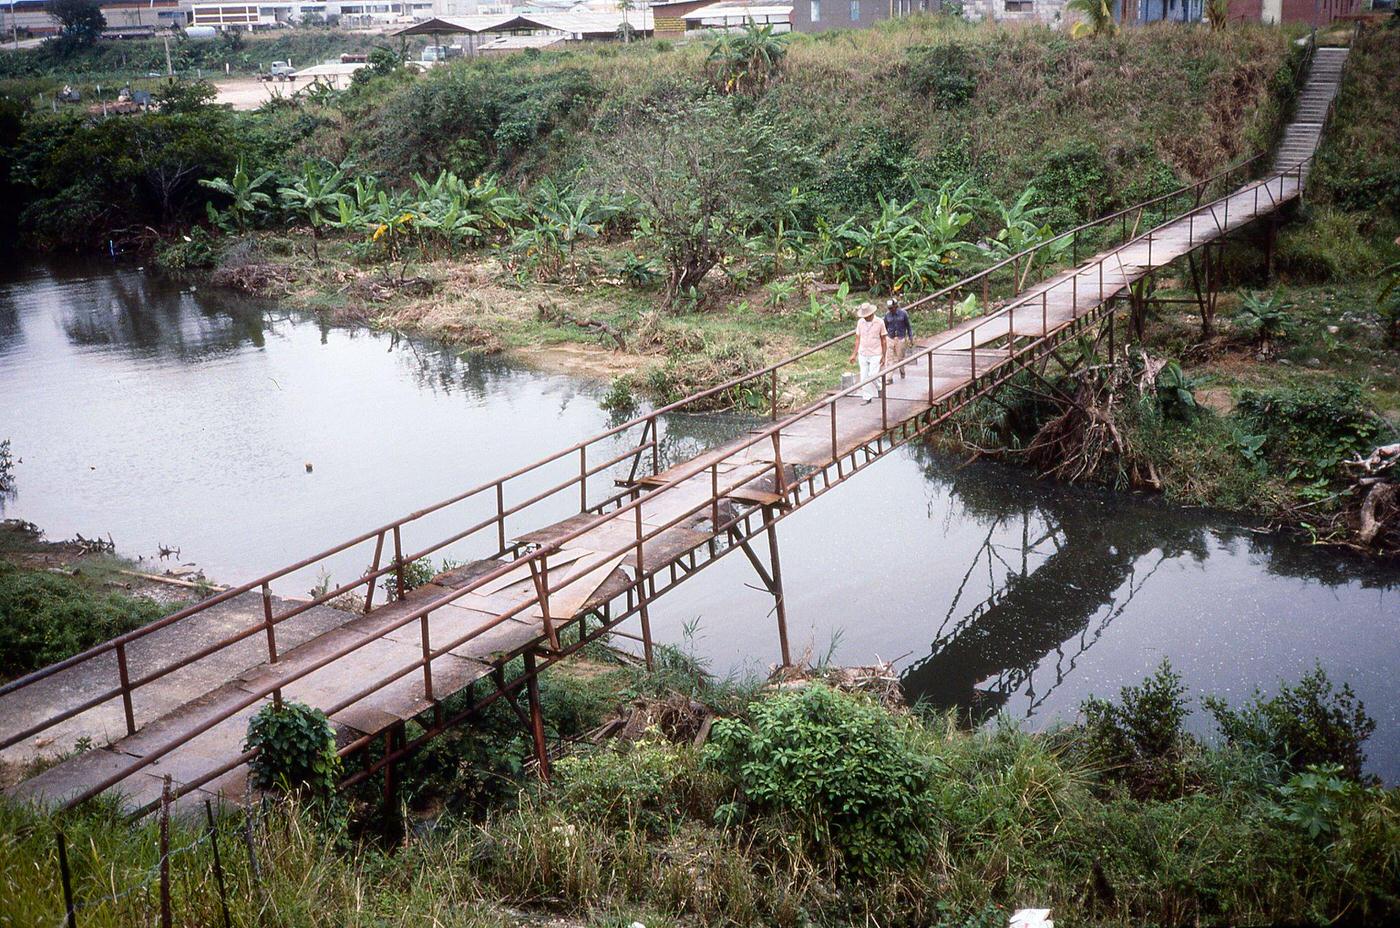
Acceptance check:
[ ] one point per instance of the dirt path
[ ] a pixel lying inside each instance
(249, 93)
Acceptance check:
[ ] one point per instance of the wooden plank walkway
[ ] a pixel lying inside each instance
(332, 666)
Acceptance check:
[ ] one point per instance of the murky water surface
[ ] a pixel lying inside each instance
(177, 419)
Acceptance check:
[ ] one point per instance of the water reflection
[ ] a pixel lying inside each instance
(1056, 568)
(159, 415)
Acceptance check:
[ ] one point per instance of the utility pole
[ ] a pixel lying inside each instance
(169, 71)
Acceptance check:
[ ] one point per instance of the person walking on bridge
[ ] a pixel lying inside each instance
(870, 348)
(900, 333)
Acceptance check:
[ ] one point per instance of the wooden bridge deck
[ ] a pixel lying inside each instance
(335, 667)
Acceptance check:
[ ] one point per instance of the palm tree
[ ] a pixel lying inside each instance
(625, 7)
(747, 61)
(1096, 18)
(1219, 13)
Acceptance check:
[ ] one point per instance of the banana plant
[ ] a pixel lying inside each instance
(247, 200)
(1021, 230)
(315, 197)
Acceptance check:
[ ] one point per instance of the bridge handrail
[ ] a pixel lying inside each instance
(540, 554)
(647, 420)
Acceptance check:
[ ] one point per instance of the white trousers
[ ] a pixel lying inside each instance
(869, 367)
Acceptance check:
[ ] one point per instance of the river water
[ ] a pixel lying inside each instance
(185, 419)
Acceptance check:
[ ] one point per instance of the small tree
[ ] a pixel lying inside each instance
(247, 200)
(80, 21)
(315, 197)
(747, 61)
(687, 170)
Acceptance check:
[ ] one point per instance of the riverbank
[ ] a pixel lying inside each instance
(803, 803)
(60, 597)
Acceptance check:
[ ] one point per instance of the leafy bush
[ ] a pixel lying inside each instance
(1075, 180)
(195, 249)
(1304, 725)
(1140, 738)
(944, 72)
(1309, 431)
(620, 399)
(48, 617)
(637, 788)
(296, 749)
(638, 272)
(415, 574)
(842, 768)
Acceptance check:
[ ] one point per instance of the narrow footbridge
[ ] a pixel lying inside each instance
(580, 544)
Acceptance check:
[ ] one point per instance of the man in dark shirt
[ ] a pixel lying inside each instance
(900, 333)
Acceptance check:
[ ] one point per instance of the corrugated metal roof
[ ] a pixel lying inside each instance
(572, 23)
(739, 11)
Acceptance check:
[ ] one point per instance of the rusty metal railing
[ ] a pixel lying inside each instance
(612, 505)
(391, 534)
(630, 503)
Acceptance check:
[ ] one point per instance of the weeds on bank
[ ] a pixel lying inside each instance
(813, 806)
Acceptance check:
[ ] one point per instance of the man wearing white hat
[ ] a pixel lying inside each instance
(870, 348)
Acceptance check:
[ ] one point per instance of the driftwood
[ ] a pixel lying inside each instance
(549, 312)
(1380, 508)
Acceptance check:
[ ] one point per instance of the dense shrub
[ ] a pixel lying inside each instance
(945, 72)
(1330, 246)
(640, 787)
(1309, 431)
(1140, 740)
(1306, 724)
(841, 768)
(471, 117)
(296, 749)
(1075, 179)
(48, 617)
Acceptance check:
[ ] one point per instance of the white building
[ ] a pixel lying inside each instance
(251, 15)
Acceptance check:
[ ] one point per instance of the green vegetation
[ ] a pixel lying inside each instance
(111, 63)
(60, 598)
(706, 208)
(809, 806)
(849, 781)
(1261, 405)
(51, 616)
(296, 749)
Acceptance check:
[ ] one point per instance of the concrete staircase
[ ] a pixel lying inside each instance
(1301, 136)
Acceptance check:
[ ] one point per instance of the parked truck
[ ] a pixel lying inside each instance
(279, 71)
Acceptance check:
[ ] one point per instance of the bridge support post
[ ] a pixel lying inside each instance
(1270, 243)
(393, 739)
(772, 576)
(776, 585)
(532, 693)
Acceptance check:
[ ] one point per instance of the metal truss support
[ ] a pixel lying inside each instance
(1205, 281)
(393, 740)
(771, 575)
(532, 692)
